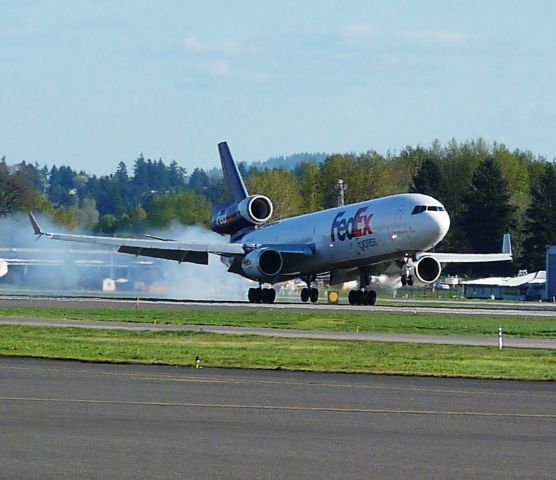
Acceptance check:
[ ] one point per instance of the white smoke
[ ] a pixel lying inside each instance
(159, 278)
(201, 282)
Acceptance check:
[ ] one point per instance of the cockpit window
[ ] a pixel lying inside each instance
(418, 209)
(431, 208)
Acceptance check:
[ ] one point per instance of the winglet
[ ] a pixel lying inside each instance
(506, 244)
(35, 225)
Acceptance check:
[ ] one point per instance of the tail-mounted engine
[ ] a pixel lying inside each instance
(262, 264)
(427, 269)
(232, 217)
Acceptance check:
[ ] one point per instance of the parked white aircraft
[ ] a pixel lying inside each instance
(3, 268)
(342, 242)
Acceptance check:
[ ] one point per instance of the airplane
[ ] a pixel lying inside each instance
(341, 242)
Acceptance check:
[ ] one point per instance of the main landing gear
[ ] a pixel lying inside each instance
(261, 295)
(363, 296)
(407, 271)
(308, 293)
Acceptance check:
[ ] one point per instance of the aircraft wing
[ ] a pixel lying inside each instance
(157, 248)
(505, 256)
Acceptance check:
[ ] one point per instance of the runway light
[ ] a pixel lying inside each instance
(197, 361)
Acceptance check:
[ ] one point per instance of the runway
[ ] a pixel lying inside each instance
(66, 419)
(476, 341)
(160, 304)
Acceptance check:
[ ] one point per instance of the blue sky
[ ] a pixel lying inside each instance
(93, 83)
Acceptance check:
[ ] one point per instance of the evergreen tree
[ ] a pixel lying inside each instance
(121, 176)
(487, 213)
(540, 220)
(176, 176)
(199, 181)
(429, 180)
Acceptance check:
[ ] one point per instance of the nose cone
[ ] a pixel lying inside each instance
(443, 221)
(432, 227)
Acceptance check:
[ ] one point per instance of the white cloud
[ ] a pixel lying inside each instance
(223, 69)
(218, 68)
(16, 33)
(439, 37)
(365, 35)
(225, 46)
(360, 34)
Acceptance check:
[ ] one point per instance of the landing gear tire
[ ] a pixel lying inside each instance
(253, 295)
(360, 297)
(410, 280)
(404, 280)
(261, 295)
(304, 295)
(314, 295)
(269, 295)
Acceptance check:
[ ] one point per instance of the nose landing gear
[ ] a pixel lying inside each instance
(363, 296)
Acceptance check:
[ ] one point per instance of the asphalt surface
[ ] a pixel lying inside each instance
(539, 343)
(88, 302)
(66, 419)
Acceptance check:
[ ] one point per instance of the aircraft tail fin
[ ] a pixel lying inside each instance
(506, 244)
(231, 173)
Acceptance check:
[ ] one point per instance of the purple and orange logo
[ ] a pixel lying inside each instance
(357, 226)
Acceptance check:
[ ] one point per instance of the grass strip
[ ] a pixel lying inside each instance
(433, 324)
(180, 348)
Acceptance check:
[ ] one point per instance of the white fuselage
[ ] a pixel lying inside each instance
(359, 234)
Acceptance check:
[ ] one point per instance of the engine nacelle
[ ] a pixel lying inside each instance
(232, 217)
(262, 264)
(428, 269)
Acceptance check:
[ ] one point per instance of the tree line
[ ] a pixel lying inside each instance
(487, 189)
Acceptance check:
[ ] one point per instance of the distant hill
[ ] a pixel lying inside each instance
(289, 162)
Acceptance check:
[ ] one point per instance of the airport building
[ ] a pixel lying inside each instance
(550, 291)
(526, 286)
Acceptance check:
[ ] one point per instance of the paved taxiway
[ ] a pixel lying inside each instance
(97, 302)
(514, 342)
(66, 419)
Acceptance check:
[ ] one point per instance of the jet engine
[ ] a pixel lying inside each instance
(262, 264)
(232, 217)
(427, 269)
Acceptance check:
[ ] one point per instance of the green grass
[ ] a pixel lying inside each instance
(180, 348)
(434, 324)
